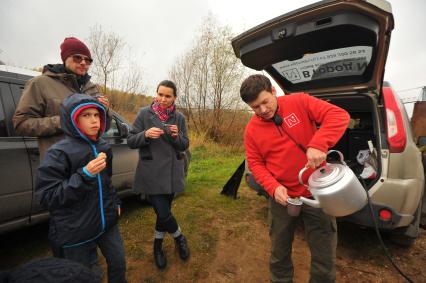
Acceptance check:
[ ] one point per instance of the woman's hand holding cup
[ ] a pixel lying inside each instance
(174, 131)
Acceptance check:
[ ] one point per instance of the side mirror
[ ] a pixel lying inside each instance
(124, 129)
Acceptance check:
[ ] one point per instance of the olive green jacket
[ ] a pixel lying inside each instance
(37, 113)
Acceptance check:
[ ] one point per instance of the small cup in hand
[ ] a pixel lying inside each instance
(167, 129)
(294, 206)
(101, 155)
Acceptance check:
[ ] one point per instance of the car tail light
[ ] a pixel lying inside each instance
(394, 122)
(385, 215)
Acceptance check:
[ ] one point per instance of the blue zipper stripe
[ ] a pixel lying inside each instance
(101, 206)
(101, 203)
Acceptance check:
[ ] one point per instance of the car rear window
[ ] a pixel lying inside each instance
(336, 63)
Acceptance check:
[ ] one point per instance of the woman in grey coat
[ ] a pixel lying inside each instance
(159, 132)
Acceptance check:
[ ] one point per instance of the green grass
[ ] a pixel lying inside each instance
(201, 211)
(210, 221)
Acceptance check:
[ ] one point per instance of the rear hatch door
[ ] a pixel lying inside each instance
(326, 47)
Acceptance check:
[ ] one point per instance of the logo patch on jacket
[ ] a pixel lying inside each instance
(291, 120)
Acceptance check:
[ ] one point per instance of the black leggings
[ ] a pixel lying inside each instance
(162, 204)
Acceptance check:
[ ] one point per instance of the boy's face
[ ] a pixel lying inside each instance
(89, 121)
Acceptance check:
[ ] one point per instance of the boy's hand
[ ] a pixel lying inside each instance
(97, 165)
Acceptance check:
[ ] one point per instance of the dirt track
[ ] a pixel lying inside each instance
(241, 253)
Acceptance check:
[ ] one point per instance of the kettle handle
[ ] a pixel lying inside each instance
(300, 176)
(342, 159)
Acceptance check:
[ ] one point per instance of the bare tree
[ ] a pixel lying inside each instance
(132, 75)
(182, 74)
(208, 77)
(116, 69)
(106, 50)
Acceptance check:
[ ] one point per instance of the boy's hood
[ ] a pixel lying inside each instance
(71, 105)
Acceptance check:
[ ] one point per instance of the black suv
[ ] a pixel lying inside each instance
(19, 157)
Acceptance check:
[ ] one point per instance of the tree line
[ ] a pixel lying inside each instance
(208, 76)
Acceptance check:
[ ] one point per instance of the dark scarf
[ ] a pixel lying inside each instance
(60, 69)
(162, 113)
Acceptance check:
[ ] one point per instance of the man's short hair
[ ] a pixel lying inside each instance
(253, 86)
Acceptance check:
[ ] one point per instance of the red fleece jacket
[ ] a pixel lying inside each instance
(276, 160)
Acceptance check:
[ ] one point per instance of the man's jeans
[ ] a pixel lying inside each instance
(111, 246)
(320, 233)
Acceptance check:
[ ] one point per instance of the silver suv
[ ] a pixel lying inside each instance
(336, 51)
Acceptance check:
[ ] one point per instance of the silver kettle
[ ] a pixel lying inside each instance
(335, 189)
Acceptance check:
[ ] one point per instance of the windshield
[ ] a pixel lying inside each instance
(342, 62)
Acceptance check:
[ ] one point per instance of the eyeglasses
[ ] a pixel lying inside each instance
(78, 58)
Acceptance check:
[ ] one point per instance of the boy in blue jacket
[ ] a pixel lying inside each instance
(74, 184)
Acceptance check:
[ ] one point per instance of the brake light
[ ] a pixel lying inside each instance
(385, 215)
(394, 122)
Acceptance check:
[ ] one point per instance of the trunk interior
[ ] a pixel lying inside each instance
(362, 128)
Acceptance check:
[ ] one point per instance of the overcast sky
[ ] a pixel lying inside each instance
(159, 31)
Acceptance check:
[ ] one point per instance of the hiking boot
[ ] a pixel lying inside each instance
(159, 256)
(182, 247)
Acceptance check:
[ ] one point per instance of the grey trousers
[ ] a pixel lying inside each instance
(320, 233)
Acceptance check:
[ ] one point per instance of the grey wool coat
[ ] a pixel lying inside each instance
(160, 168)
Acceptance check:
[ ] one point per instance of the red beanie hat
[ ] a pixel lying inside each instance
(71, 46)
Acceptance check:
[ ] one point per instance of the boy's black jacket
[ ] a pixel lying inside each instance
(81, 207)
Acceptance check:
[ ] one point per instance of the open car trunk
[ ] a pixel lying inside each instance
(362, 130)
(329, 46)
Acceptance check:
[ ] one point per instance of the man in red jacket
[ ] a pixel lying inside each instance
(280, 140)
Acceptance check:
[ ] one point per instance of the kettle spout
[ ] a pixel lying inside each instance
(311, 202)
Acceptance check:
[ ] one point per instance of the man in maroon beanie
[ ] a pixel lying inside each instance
(37, 113)
(71, 46)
